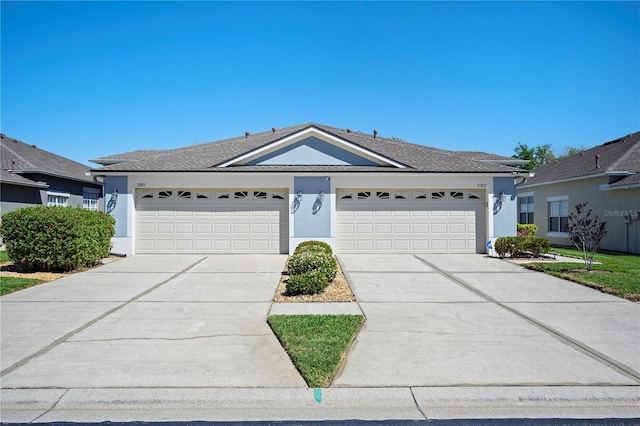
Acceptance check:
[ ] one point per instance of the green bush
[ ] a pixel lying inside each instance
(507, 246)
(513, 246)
(307, 261)
(314, 246)
(57, 238)
(536, 245)
(311, 282)
(527, 230)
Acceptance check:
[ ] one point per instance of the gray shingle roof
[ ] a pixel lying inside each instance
(619, 155)
(29, 158)
(208, 156)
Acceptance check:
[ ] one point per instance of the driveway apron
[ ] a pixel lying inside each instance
(149, 322)
(469, 320)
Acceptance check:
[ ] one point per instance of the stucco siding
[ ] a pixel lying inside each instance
(610, 206)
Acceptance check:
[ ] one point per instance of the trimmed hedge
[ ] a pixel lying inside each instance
(314, 246)
(514, 246)
(312, 282)
(527, 230)
(306, 261)
(57, 238)
(311, 268)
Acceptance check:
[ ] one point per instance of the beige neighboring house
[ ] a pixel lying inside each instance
(607, 177)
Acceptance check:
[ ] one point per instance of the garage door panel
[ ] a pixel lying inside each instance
(209, 221)
(420, 221)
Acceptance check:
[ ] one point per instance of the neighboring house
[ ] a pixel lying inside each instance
(31, 176)
(607, 177)
(267, 192)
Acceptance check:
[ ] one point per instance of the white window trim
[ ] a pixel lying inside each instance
(557, 234)
(525, 194)
(58, 194)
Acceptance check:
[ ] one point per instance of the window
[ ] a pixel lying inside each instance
(57, 199)
(558, 214)
(525, 209)
(90, 199)
(456, 195)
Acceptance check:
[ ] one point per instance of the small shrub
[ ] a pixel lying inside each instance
(57, 238)
(314, 246)
(307, 261)
(311, 282)
(507, 246)
(536, 245)
(527, 230)
(513, 246)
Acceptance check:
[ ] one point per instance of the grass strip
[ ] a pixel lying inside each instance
(316, 344)
(619, 274)
(4, 257)
(11, 284)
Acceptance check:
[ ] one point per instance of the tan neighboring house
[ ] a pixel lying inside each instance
(607, 177)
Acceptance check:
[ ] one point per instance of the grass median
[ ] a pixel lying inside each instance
(618, 274)
(316, 344)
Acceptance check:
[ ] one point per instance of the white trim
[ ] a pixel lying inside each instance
(552, 182)
(306, 133)
(59, 194)
(558, 198)
(525, 194)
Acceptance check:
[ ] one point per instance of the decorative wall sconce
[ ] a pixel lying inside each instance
(299, 195)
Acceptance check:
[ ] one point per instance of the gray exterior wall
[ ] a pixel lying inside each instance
(312, 151)
(504, 205)
(612, 207)
(17, 196)
(312, 218)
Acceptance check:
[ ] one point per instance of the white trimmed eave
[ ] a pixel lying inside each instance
(58, 175)
(312, 131)
(552, 182)
(507, 162)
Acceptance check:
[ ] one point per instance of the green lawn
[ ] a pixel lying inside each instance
(11, 284)
(622, 278)
(3, 256)
(316, 343)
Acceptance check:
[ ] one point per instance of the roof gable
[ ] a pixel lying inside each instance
(311, 146)
(18, 157)
(250, 153)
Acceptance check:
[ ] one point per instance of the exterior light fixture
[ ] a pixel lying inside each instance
(321, 196)
(299, 195)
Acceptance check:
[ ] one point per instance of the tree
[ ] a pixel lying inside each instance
(523, 152)
(568, 151)
(542, 154)
(586, 233)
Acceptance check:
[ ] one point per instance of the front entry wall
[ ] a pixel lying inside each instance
(417, 220)
(212, 221)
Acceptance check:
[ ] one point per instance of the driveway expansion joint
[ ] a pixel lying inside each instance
(617, 366)
(67, 336)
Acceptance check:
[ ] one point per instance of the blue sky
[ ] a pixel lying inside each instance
(89, 79)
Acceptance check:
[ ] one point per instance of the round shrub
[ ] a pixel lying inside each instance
(312, 282)
(57, 238)
(307, 261)
(314, 246)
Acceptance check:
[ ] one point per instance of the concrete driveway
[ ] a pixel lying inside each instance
(158, 338)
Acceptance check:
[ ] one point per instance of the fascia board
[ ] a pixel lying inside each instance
(58, 175)
(29, 184)
(304, 134)
(553, 182)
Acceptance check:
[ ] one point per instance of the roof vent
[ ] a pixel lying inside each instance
(13, 166)
(581, 153)
(597, 161)
(33, 146)
(375, 133)
(348, 130)
(1, 135)
(246, 135)
(273, 130)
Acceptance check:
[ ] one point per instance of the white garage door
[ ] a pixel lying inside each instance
(212, 221)
(397, 221)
